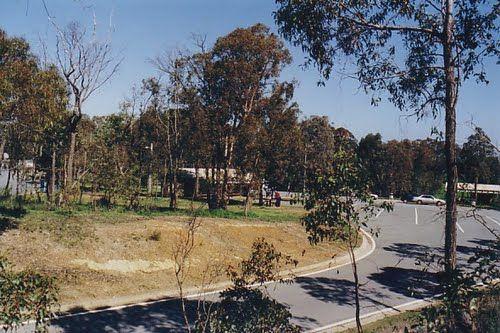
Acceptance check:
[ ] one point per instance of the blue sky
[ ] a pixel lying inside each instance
(144, 28)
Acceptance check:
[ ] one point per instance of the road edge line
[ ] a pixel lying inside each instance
(367, 238)
(372, 316)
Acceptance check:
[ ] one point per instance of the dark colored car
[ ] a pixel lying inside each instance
(407, 197)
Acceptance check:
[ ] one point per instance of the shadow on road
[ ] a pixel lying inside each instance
(163, 316)
(338, 291)
(166, 316)
(408, 282)
(424, 253)
(418, 281)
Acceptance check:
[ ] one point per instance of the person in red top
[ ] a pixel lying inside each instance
(277, 197)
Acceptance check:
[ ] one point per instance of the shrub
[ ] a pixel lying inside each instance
(25, 295)
(246, 309)
(154, 236)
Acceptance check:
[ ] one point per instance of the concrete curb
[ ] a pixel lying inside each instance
(371, 317)
(68, 310)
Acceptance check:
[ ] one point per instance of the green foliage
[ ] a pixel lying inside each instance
(479, 159)
(338, 199)
(245, 309)
(249, 311)
(340, 204)
(263, 265)
(471, 297)
(392, 324)
(25, 295)
(233, 88)
(33, 101)
(402, 167)
(397, 46)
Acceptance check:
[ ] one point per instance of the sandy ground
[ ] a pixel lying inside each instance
(134, 257)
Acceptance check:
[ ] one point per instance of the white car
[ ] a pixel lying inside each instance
(374, 196)
(428, 200)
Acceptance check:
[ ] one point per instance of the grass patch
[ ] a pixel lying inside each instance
(487, 318)
(69, 225)
(390, 324)
(67, 231)
(155, 207)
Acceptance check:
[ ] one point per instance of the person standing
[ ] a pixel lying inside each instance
(277, 197)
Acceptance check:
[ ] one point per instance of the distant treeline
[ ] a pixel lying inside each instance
(220, 109)
(415, 167)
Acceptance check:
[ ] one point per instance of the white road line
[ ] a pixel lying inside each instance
(378, 214)
(460, 228)
(416, 215)
(492, 219)
(372, 248)
(369, 238)
(395, 309)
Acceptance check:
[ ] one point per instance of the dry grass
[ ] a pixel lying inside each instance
(134, 256)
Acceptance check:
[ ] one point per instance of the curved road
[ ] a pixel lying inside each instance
(389, 276)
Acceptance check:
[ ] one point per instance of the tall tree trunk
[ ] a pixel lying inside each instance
(196, 192)
(356, 291)
(150, 183)
(225, 195)
(2, 149)
(476, 180)
(216, 199)
(249, 197)
(173, 190)
(17, 182)
(450, 242)
(51, 186)
(210, 187)
(226, 192)
(261, 194)
(164, 179)
(7, 184)
(354, 265)
(71, 159)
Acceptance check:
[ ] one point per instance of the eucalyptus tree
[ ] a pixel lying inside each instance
(418, 53)
(372, 155)
(47, 125)
(227, 84)
(18, 68)
(281, 145)
(87, 64)
(33, 101)
(318, 137)
(177, 119)
(339, 202)
(242, 66)
(267, 143)
(479, 160)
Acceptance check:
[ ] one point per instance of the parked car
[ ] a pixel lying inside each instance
(428, 199)
(374, 196)
(407, 198)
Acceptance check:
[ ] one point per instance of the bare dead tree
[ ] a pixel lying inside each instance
(86, 63)
(173, 66)
(182, 251)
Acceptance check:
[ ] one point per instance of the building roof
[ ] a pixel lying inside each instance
(481, 188)
(202, 173)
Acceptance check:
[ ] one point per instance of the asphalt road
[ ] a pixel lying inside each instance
(389, 276)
